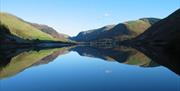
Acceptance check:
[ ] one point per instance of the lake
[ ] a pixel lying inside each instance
(84, 68)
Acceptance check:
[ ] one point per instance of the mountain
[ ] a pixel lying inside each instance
(91, 34)
(165, 33)
(21, 29)
(120, 31)
(15, 29)
(50, 31)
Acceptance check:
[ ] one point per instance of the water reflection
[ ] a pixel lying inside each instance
(21, 59)
(15, 61)
(120, 54)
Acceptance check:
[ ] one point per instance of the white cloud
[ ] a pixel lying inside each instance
(106, 14)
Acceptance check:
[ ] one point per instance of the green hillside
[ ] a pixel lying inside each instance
(21, 29)
(138, 26)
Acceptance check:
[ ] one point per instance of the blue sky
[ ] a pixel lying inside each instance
(72, 16)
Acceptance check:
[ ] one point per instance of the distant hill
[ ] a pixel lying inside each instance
(92, 34)
(21, 30)
(50, 31)
(120, 31)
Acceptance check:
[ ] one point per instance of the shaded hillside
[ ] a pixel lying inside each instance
(122, 31)
(164, 31)
(92, 34)
(7, 37)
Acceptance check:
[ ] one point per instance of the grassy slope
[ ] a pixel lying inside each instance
(21, 29)
(138, 26)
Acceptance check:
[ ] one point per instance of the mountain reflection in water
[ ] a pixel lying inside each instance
(15, 61)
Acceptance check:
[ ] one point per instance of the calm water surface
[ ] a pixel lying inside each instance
(85, 69)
